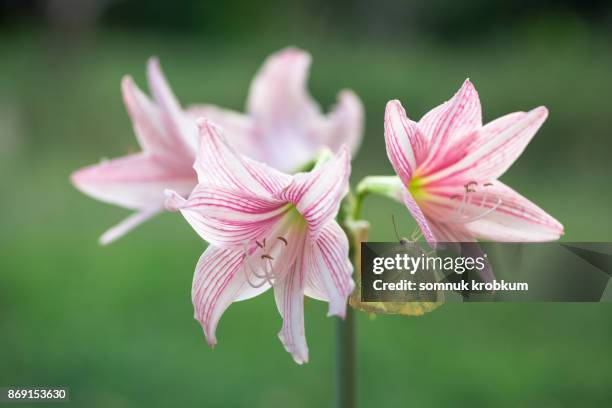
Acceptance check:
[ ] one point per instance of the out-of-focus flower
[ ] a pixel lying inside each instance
(448, 164)
(266, 229)
(283, 126)
(168, 138)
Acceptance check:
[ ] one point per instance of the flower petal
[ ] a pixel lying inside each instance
(128, 224)
(288, 123)
(516, 219)
(343, 125)
(405, 145)
(238, 128)
(218, 281)
(136, 182)
(278, 94)
(495, 212)
(284, 113)
(226, 217)
(447, 232)
(419, 217)
(219, 165)
(289, 295)
(177, 125)
(496, 146)
(329, 270)
(146, 119)
(450, 122)
(317, 194)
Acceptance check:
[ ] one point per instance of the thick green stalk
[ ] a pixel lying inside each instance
(346, 370)
(357, 231)
(346, 361)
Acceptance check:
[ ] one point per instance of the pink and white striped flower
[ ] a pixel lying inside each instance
(168, 138)
(283, 126)
(266, 229)
(448, 164)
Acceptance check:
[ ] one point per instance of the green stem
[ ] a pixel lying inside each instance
(346, 361)
(346, 370)
(386, 186)
(350, 216)
(358, 205)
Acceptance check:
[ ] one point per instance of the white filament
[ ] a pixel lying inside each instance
(459, 216)
(268, 275)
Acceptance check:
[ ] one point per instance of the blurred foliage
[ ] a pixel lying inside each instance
(115, 323)
(445, 20)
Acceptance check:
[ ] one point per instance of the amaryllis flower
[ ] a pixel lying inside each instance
(266, 229)
(168, 138)
(283, 126)
(448, 164)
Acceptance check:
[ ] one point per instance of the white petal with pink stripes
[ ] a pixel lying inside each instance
(448, 164)
(266, 229)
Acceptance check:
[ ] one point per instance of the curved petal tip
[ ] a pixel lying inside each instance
(290, 53)
(153, 64)
(127, 82)
(75, 178)
(542, 112)
(394, 103)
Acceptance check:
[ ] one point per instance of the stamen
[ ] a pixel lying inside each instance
(249, 268)
(459, 213)
(268, 268)
(485, 195)
(460, 207)
(468, 188)
(264, 264)
(489, 211)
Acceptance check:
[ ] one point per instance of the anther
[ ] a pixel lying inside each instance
(263, 271)
(468, 187)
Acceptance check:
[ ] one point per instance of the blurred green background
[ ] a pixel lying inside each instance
(115, 323)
